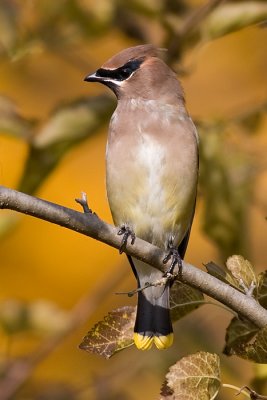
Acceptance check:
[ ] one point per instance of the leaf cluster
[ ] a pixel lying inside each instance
(196, 376)
(243, 338)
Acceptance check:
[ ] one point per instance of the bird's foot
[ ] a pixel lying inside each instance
(176, 259)
(126, 232)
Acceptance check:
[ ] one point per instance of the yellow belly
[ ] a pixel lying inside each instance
(151, 194)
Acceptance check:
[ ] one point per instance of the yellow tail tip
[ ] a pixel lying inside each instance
(144, 342)
(163, 342)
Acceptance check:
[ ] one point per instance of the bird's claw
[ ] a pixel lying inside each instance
(126, 232)
(176, 260)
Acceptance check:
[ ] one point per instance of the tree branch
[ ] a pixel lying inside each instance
(90, 225)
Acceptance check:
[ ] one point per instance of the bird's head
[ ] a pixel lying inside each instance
(138, 72)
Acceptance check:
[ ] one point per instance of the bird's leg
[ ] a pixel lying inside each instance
(126, 232)
(175, 256)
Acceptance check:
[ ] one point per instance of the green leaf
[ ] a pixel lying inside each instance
(68, 126)
(183, 300)
(220, 272)
(245, 340)
(238, 334)
(242, 271)
(226, 179)
(234, 16)
(238, 273)
(193, 377)
(256, 349)
(111, 335)
(74, 122)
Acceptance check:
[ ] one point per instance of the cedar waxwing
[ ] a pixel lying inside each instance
(151, 173)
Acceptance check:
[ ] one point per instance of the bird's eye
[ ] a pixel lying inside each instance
(125, 72)
(128, 69)
(121, 73)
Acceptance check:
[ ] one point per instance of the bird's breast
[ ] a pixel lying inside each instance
(151, 177)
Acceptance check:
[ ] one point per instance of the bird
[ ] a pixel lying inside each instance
(151, 174)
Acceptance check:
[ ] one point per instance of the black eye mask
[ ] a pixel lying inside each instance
(121, 73)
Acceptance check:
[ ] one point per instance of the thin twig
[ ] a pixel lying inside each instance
(83, 202)
(238, 390)
(131, 293)
(252, 394)
(159, 282)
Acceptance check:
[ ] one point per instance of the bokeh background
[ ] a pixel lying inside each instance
(53, 130)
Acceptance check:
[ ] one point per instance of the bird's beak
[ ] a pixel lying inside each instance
(92, 78)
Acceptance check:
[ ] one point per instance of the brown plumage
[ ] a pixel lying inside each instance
(152, 171)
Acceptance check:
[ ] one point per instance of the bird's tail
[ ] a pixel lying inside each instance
(153, 322)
